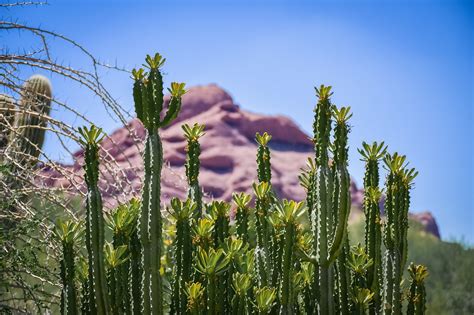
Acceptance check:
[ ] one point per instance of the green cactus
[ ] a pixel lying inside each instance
(99, 301)
(7, 119)
(192, 164)
(262, 226)
(417, 293)
(195, 298)
(182, 271)
(242, 215)
(264, 167)
(306, 178)
(31, 120)
(371, 154)
(289, 212)
(341, 206)
(115, 257)
(69, 233)
(203, 233)
(123, 223)
(219, 212)
(211, 267)
(265, 300)
(241, 283)
(211, 264)
(148, 97)
(398, 187)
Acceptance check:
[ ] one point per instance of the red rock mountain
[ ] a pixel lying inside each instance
(228, 152)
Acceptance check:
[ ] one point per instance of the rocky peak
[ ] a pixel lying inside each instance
(228, 153)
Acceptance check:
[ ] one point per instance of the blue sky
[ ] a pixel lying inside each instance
(406, 68)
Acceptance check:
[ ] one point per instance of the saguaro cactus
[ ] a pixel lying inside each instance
(148, 97)
(35, 105)
(7, 119)
(68, 233)
(192, 164)
(99, 301)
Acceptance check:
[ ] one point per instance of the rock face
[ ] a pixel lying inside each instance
(228, 152)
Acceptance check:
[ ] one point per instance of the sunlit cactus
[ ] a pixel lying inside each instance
(264, 300)
(69, 234)
(123, 223)
(95, 239)
(288, 213)
(195, 298)
(115, 257)
(417, 293)
(192, 164)
(262, 226)
(182, 212)
(148, 97)
(268, 261)
(371, 155)
(211, 264)
(32, 117)
(398, 185)
(264, 167)
(7, 119)
(242, 215)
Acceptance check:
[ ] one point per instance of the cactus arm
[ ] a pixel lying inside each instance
(172, 113)
(192, 164)
(264, 171)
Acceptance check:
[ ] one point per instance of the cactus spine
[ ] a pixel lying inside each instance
(68, 233)
(99, 301)
(148, 97)
(192, 164)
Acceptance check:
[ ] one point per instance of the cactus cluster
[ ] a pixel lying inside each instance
(266, 256)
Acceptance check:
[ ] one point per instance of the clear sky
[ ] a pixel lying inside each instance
(406, 68)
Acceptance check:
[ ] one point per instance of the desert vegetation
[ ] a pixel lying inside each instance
(261, 256)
